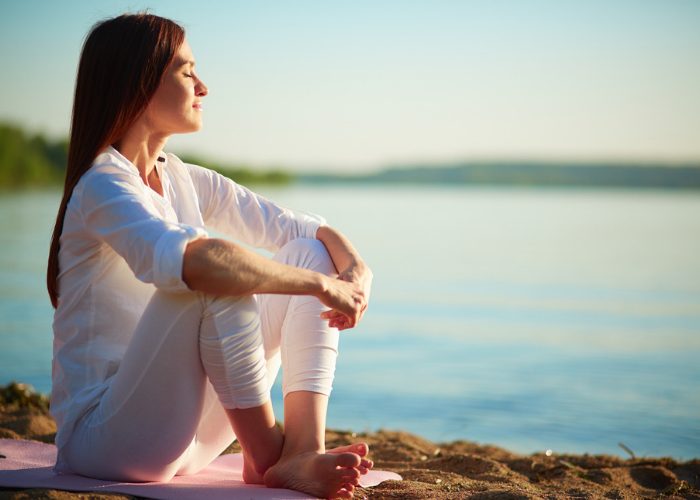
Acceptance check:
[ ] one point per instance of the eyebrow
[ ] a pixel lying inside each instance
(185, 63)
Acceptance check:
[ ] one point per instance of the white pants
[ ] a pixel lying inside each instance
(191, 356)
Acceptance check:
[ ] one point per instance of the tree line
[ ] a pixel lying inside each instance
(30, 160)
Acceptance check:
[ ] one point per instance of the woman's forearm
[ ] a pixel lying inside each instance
(220, 267)
(342, 252)
(350, 266)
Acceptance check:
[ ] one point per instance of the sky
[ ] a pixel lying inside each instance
(338, 86)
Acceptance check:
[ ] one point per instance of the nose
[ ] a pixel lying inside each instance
(200, 89)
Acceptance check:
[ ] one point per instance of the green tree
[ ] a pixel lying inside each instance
(29, 161)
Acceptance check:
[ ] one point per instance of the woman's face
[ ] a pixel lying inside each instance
(176, 107)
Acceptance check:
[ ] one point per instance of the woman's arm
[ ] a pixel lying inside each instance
(221, 267)
(246, 216)
(350, 266)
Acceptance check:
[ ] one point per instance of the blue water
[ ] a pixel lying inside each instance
(531, 319)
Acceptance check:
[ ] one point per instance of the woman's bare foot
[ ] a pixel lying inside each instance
(326, 475)
(361, 449)
(251, 476)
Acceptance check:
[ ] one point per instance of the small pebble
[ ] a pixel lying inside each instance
(438, 481)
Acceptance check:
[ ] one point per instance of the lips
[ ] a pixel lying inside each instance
(197, 105)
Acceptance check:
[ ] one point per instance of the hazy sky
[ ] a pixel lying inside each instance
(356, 85)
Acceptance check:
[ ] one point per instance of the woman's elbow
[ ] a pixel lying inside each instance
(194, 263)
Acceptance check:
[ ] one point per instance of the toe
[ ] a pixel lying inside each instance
(351, 476)
(361, 449)
(347, 460)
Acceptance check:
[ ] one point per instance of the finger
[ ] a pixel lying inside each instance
(331, 314)
(341, 324)
(336, 318)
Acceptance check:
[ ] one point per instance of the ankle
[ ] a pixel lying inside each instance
(293, 449)
(263, 457)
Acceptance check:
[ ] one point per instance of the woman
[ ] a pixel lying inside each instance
(167, 341)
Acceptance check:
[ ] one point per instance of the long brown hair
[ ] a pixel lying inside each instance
(121, 65)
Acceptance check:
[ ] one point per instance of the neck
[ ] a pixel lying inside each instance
(142, 149)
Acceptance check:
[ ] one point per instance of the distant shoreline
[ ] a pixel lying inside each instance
(672, 178)
(28, 160)
(528, 174)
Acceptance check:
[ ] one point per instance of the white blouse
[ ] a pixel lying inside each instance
(121, 240)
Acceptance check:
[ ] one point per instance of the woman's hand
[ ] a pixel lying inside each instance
(347, 302)
(360, 276)
(352, 269)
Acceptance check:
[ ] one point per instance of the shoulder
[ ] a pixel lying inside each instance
(202, 177)
(108, 164)
(176, 165)
(108, 171)
(183, 175)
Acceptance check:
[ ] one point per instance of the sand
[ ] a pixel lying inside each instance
(459, 469)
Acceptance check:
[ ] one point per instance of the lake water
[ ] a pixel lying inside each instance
(529, 318)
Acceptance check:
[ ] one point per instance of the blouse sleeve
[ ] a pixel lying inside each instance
(253, 219)
(116, 210)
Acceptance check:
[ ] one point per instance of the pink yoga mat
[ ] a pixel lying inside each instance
(29, 464)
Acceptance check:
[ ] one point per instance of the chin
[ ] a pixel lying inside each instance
(193, 127)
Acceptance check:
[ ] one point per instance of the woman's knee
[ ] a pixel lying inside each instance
(306, 253)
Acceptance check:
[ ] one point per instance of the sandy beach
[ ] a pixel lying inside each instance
(459, 469)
